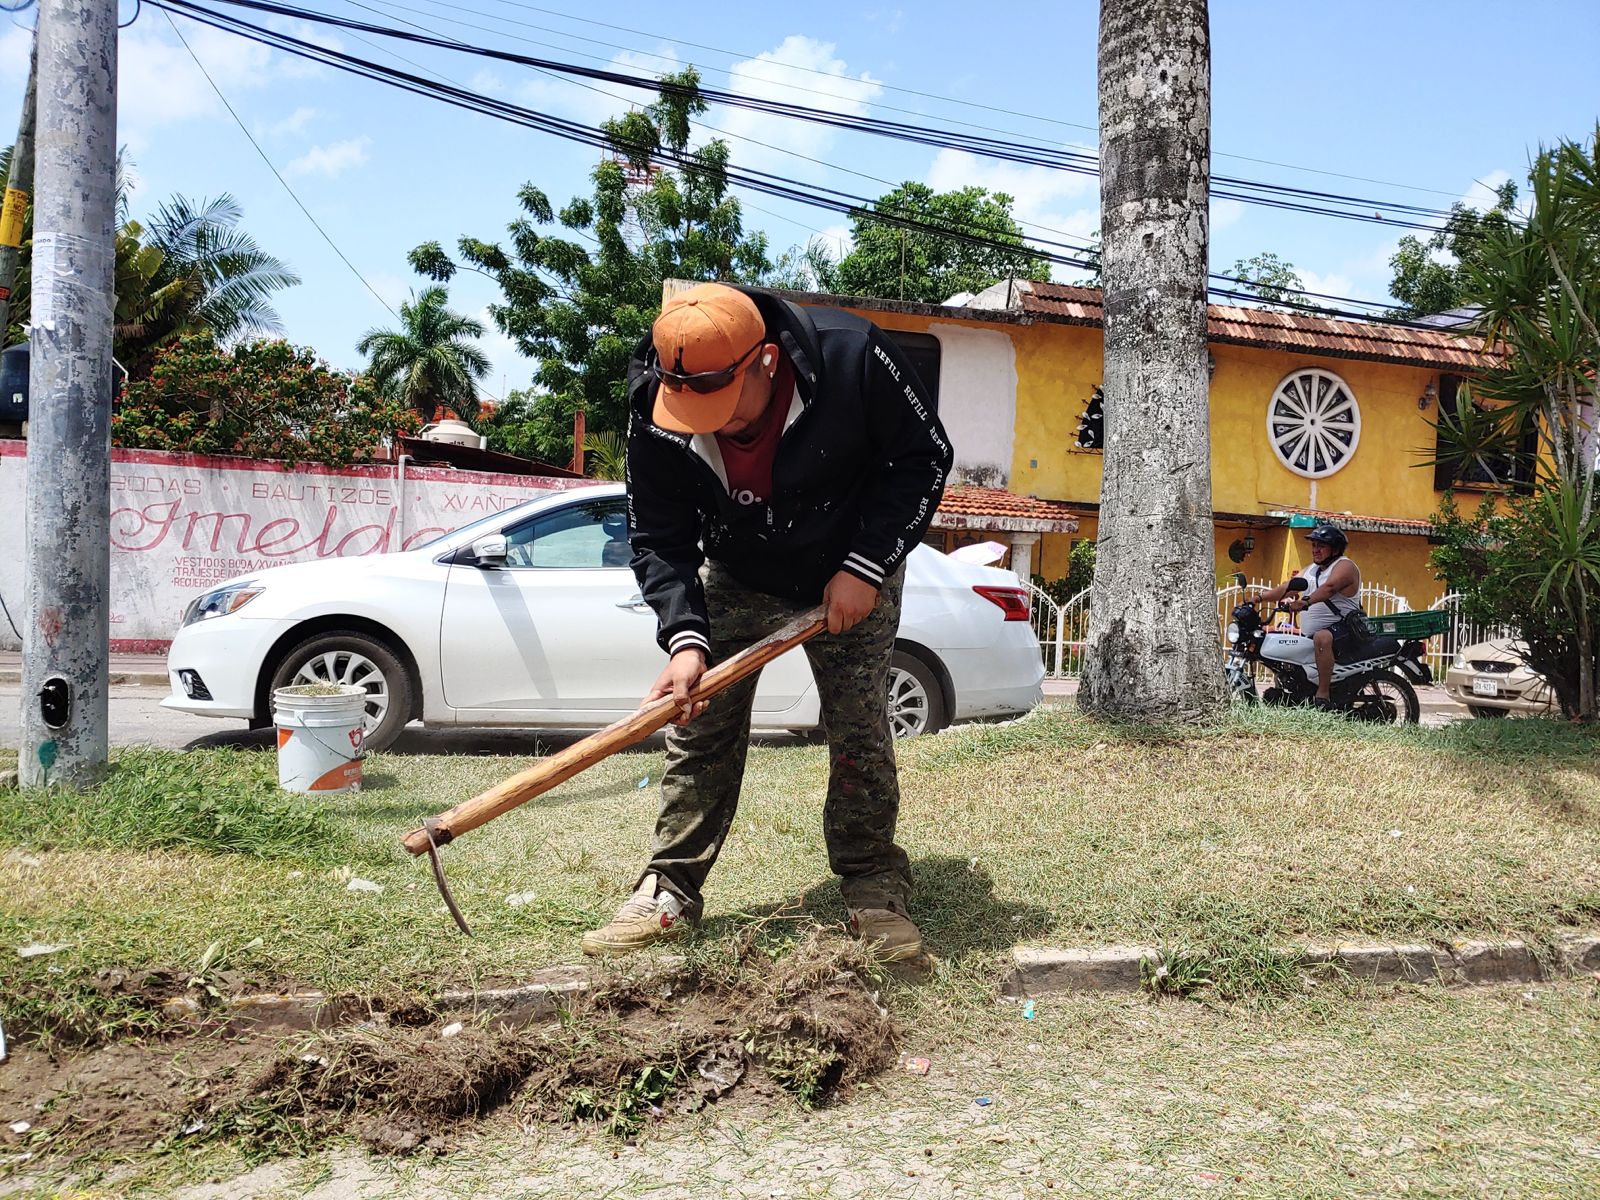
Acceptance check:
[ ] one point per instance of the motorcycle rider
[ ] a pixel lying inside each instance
(1333, 584)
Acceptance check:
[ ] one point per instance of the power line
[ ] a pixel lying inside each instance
(317, 225)
(770, 184)
(1271, 195)
(1011, 112)
(1080, 247)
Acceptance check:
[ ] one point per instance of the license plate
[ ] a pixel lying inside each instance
(1482, 685)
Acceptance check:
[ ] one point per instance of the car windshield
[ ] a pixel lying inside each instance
(493, 519)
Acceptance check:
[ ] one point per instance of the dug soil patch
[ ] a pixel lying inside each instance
(632, 1050)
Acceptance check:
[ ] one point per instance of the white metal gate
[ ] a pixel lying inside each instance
(1461, 632)
(1061, 630)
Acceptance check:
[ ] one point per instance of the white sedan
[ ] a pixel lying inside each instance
(531, 617)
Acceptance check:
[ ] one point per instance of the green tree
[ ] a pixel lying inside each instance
(1495, 558)
(430, 360)
(578, 310)
(1425, 283)
(261, 399)
(229, 279)
(191, 270)
(511, 426)
(892, 261)
(1271, 280)
(1538, 286)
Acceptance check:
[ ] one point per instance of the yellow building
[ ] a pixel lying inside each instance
(1309, 417)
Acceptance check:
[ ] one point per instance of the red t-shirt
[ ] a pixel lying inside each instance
(748, 465)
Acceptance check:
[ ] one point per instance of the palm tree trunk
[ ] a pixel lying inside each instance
(1154, 647)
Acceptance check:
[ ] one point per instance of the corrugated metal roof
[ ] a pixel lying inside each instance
(1284, 331)
(1355, 522)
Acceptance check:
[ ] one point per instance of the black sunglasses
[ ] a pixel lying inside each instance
(702, 382)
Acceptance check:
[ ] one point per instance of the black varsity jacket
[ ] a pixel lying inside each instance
(859, 470)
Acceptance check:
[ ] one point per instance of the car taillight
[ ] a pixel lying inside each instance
(1012, 601)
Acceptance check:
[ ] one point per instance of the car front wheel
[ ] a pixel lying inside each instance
(345, 656)
(916, 701)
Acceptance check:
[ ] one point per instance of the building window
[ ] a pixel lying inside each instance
(1483, 471)
(1313, 422)
(922, 352)
(1092, 425)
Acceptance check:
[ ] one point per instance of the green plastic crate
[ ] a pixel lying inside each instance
(1408, 625)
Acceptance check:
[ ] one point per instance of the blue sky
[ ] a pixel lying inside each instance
(1434, 101)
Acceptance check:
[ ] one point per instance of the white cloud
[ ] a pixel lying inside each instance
(158, 82)
(15, 49)
(1052, 206)
(1225, 213)
(774, 75)
(586, 101)
(1481, 194)
(395, 289)
(508, 369)
(295, 122)
(331, 160)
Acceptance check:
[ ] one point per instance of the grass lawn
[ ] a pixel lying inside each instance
(1221, 843)
(1053, 830)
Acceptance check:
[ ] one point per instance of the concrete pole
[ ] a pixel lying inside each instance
(19, 184)
(68, 556)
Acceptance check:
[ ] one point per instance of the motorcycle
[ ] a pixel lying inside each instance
(1376, 684)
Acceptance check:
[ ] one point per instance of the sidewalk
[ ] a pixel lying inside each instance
(1433, 699)
(143, 670)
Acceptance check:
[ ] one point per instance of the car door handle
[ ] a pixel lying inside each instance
(635, 601)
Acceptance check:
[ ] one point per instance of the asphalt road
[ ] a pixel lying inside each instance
(137, 717)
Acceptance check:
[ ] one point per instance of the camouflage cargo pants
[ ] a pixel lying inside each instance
(705, 759)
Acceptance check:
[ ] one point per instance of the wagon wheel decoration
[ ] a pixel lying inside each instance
(1313, 423)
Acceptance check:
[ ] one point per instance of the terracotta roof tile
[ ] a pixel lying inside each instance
(1284, 331)
(967, 507)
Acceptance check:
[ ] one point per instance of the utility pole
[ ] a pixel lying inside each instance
(66, 632)
(19, 185)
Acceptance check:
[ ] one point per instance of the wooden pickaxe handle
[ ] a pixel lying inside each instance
(619, 735)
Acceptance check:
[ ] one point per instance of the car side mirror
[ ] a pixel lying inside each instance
(1297, 584)
(490, 551)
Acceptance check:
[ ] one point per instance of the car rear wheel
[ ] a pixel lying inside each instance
(916, 701)
(345, 656)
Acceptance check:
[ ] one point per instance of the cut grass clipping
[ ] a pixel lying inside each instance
(806, 1023)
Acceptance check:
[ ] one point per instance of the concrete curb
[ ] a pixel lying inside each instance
(1035, 971)
(540, 998)
(118, 678)
(1038, 971)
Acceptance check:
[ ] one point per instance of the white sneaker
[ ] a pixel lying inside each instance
(650, 915)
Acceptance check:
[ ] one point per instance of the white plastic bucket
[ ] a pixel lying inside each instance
(319, 736)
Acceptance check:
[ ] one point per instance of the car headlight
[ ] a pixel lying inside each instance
(1231, 632)
(221, 601)
(1459, 662)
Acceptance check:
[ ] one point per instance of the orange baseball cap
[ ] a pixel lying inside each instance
(702, 339)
